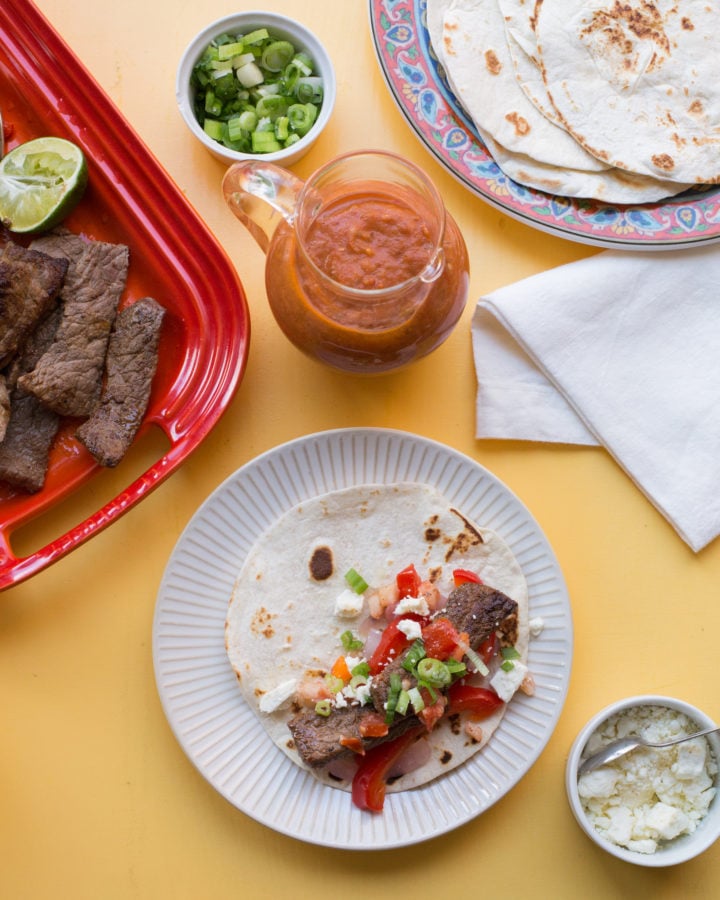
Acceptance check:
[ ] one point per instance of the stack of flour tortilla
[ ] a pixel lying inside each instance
(588, 98)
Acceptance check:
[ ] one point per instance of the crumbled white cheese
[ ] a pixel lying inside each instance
(352, 661)
(649, 796)
(362, 693)
(410, 628)
(349, 605)
(506, 683)
(273, 699)
(536, 626)
(412, 605)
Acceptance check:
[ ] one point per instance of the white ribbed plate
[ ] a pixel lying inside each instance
(198, 689)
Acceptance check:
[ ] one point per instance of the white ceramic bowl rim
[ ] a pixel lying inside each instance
(283, 27)
(680, 849)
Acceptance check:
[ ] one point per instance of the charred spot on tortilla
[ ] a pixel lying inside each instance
(468, 537)
(446, 757)
(664, 161)
(321, 565)
(492, 62)
(261, 623)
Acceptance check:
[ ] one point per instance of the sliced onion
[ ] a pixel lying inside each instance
(416, 755)
(343, 768)
(371, 641)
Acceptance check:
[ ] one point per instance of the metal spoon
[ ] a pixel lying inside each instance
(619, 748)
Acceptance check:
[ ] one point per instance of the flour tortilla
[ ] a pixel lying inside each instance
(519, 127)
(636, 83)
(282, 624)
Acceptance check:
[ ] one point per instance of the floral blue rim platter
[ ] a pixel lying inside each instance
(417, 83)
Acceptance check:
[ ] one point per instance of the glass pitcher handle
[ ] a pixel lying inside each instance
(259, 194)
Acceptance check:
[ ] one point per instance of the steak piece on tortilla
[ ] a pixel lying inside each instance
(68, 377)
(317, 738)
(31, 428)
(30, 283)
(130, 365)
(473, 608)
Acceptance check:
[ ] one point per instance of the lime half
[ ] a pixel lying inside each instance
(41, 182)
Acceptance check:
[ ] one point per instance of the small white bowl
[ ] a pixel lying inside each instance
(679, 849)
(281, 27)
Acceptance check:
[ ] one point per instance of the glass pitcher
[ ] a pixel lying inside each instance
(366, 271)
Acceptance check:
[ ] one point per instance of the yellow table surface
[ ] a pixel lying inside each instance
(97, 799)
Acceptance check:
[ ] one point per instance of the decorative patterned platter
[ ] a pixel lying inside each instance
(45, 90)
(419, 88)
(222, 735)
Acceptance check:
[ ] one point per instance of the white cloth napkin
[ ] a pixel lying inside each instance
(621, 349)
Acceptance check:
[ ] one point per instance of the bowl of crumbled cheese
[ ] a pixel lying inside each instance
(651, 807)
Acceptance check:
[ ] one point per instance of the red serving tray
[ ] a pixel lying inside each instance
(45, 90)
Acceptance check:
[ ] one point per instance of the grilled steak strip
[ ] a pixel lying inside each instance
(131, 363)
(475, 609)
(68, 377)
(30, 283)
(31, 428)
(317, 738)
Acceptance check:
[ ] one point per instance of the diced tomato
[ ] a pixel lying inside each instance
(373, 725)
(463, 576)
(440, 638)
(391, 643)
(353, 743)
(489, 648)
(431, 714)
(408, 582)
(481, 702)
(370, 781)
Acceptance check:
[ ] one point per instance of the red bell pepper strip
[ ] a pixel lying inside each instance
(489, 648)
(463, 576)
(481, 702)
(370, 781)
(392, 642)
(408, 582)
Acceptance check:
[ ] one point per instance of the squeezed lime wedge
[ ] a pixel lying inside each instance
(41, 182)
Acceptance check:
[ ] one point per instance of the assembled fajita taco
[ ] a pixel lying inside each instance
(379, 634)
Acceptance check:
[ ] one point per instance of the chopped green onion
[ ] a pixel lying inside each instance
(478, 664)
(414, 655)
(455, 667)
(361, 670)
(277, 55)
(434, 672)
(213, 129)
(355, 580)
(507, 666)
(393, 696)
(302, 116)
(303, 63)
(350, 642)
(309, 89)
(257, 36)
(403, 702)
(272, 106)
(334, 684)
(323, 707)
(509, 653)
(227, 51)
(416, 699)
